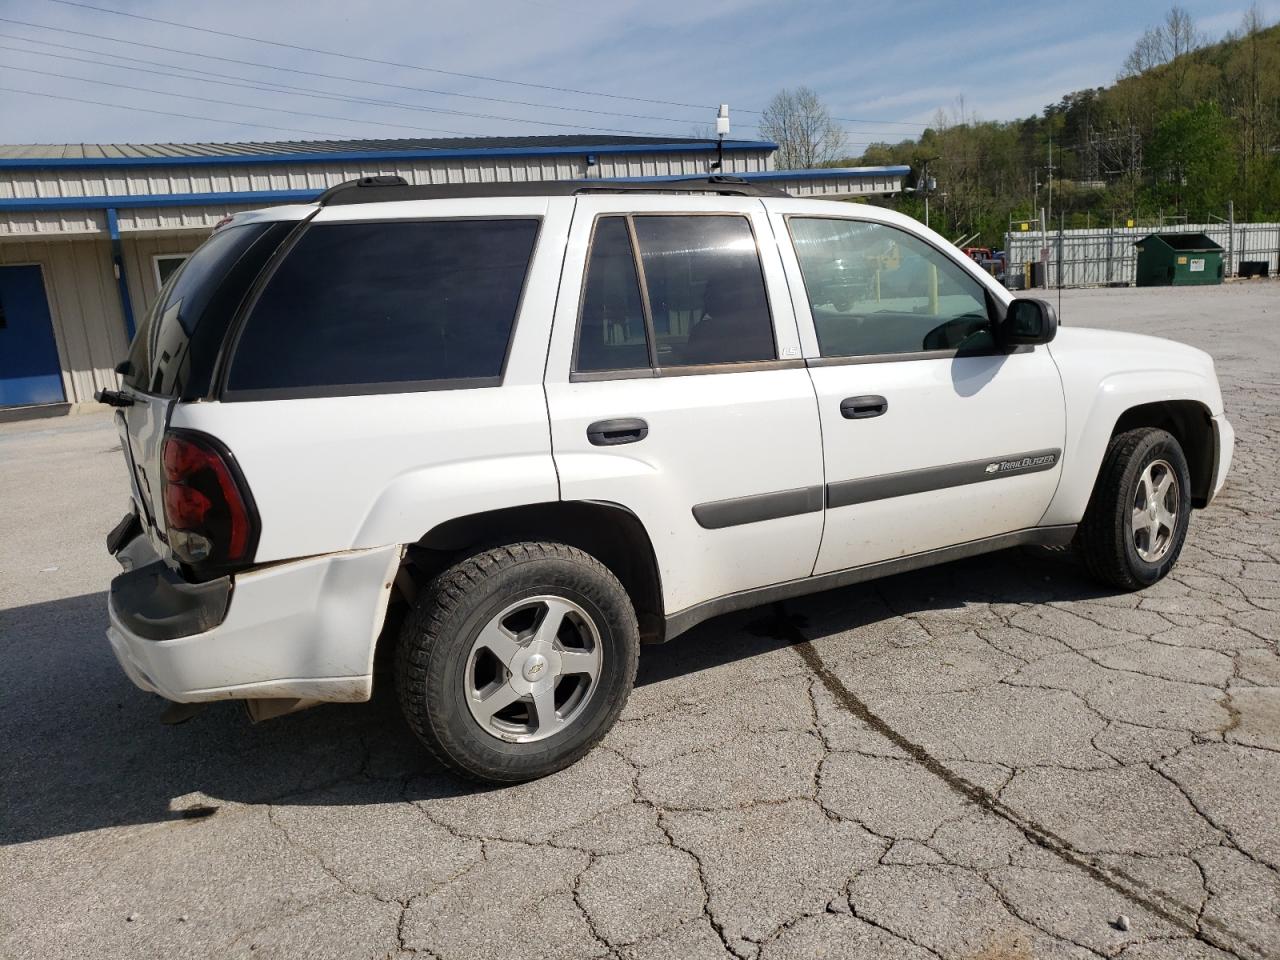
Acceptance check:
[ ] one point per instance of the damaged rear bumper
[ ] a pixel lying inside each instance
(303, 629)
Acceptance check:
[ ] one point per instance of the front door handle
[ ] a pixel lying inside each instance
(609, 433)
(860, 408)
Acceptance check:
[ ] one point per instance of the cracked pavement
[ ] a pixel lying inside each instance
(991, 760)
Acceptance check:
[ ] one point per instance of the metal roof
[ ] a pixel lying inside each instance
(320, 149)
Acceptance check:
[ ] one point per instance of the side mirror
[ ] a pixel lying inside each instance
(1028, 321)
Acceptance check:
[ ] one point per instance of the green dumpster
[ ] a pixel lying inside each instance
(1178, 260)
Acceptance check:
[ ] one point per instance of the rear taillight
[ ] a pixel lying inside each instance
(207, 509)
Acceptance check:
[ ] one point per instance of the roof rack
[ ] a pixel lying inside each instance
(383, 189)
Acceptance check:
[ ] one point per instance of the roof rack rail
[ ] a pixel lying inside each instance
(382, 180)
(391, 188)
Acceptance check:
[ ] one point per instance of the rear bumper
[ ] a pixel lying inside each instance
(304, 629)
(153, 602)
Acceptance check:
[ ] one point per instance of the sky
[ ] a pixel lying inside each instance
(650, 67)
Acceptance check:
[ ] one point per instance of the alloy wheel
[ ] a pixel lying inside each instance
(533, 669)
(1155, 511)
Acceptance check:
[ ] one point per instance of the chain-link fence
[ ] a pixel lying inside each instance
(1102, 257)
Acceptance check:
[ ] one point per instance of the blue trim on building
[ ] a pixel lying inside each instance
(382, 155)
(117, 260)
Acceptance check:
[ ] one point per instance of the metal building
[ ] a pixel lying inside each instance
(89, 232)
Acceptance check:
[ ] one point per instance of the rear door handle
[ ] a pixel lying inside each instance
(609, 433)
(860, 408)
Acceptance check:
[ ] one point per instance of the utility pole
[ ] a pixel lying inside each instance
(1050, 173)
(1044, 249)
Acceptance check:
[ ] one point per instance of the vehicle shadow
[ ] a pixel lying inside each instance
(85, 750)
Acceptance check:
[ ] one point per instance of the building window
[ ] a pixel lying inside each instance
(165, 264)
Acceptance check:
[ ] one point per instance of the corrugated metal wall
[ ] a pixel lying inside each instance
(1093, 258)
(835, 186)
(176, 179)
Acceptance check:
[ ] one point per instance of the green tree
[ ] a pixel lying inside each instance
(1190, 157)
(1188, 126)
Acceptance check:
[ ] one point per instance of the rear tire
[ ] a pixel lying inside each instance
(1136, 522)
(517, 660)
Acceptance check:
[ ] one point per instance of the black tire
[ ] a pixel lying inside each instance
(1105, 541)
(433, 657)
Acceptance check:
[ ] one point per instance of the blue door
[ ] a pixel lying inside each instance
(29, 368)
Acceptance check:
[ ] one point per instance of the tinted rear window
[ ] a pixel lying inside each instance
(213, 279)
(387, 305)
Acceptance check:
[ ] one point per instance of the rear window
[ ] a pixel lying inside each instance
(213, 280)
(365, 307)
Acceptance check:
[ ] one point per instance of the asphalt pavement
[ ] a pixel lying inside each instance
(992, 760)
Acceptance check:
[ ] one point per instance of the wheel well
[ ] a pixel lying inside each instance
(1191, 423)
(610, 533)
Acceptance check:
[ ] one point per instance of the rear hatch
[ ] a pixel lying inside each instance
(174, 353)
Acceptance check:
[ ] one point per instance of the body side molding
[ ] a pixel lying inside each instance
(761, 506)
(844, 493)
(683, 620)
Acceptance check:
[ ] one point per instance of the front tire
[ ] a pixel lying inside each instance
(1136, 522)
(517, 661)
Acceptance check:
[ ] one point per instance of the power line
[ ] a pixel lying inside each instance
(302, 92)
(231, 103)
(275, 87)
(437, 70)
(307, 73)
(166, 113)
(374, 60)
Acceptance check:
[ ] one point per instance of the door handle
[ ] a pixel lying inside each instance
(860, 408)
(609, 433)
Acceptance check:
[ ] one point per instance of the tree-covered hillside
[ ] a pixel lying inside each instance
(1188, 126)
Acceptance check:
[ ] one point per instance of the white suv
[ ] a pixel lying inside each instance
(503, 434)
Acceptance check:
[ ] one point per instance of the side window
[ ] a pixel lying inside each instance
(407, 303)
(706, 290)
(611, 330)
(698, 299)
(876, 290)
